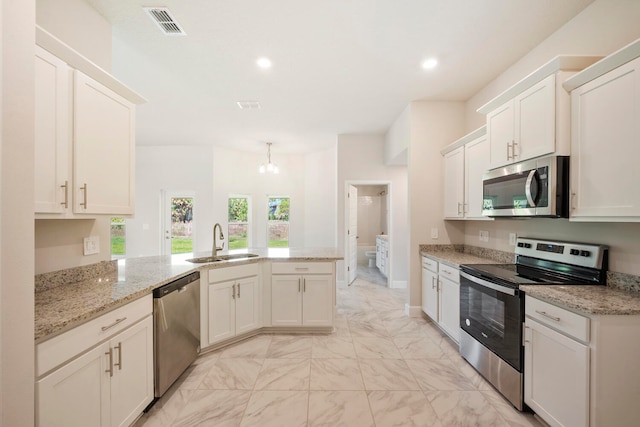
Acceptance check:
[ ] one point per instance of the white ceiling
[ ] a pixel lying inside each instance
(339, 66)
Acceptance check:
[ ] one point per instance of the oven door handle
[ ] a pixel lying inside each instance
(487, 284)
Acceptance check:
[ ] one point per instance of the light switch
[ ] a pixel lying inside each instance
(92, 245)
(434, 233)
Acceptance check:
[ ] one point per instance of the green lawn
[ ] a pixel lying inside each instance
(181, 245)
(237, 243)
(278, 243)
(117, 245)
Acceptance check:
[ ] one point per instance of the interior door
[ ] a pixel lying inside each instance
(352, 233)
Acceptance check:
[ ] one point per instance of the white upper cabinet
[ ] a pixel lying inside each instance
(465, 161)
(605, 143)
(531, 118)
(52, 133)
(104, 144)
(84, 135)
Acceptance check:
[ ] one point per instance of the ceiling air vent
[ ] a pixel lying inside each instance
(248, 105)
(163, 19)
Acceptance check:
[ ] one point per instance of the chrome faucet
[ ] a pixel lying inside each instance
(215, 249)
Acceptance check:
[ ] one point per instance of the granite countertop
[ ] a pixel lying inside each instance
(454, 258)
(588, 300)
(62, 306)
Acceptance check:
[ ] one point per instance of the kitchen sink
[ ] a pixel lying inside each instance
(219, 258)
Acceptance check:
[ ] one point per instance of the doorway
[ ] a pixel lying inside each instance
(178, 222)
(367, 240)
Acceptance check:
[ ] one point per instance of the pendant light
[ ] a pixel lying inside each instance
(269, 167)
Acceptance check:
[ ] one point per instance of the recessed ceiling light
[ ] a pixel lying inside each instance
(264, 63)
(429, 64)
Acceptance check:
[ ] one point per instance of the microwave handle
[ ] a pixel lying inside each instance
(527, 188)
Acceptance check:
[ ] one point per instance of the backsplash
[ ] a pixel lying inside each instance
(54, 279)
(622, 281)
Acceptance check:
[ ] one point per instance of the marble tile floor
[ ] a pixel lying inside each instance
(370, 274)
(379, 368)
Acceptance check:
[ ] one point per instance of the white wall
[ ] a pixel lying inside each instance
(433, 125)
(215, 173)
(602, 28)
(396, 147)
(362, 158)
(78, 25)
(17, 39)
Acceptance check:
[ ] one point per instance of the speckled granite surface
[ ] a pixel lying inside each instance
(454, 255)
(594, 300)
(96, 289)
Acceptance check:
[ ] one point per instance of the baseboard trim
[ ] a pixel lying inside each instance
(399, 284)
(413, 311)
(341, 284)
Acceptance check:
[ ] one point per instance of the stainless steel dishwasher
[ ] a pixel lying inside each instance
(176, 329)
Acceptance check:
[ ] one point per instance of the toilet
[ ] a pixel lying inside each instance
(371, 256)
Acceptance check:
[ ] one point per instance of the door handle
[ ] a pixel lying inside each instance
(527, 188)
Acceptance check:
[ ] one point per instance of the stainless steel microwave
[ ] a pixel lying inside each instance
(533, 188)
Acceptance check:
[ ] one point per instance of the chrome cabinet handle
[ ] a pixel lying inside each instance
(304, 284)
(84, 197)
(458, 208)
(573, 197)
(299, 284)
(105, 328)
(433, 282)
(513, 150)
(548, 316)
(119, 364)
(238, 290)
(524, 334)
(233, 295)
(446, 272)
(66, 194)
(302, 268)
(110, 354)
(508, 149)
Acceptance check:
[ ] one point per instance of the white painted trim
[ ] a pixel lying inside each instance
(63, 51)
(412, 311)
(608, 63)
(399, 284)
(478, 133)
(560, 62)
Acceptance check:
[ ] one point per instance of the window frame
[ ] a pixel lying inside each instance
(269, 222)
(248, 222)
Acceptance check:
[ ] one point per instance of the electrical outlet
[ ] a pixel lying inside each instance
(512, 239)
(484, 236)
(92, 245)
(434, 233)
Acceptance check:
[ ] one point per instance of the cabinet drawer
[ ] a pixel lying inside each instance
(224, 274)
(302, 268)
(429, 264)
(567, 322)
(450, 273)
(61, 348)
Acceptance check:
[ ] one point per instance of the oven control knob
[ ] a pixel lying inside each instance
(574, 252)
(527, 245)
(585, 253)
(521, 245)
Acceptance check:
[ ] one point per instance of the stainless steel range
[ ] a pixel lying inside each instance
(492, 305)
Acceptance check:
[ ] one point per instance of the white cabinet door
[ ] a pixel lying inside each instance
(317, 300)
(104, 145)
(500, 131)
(450, 307)
(556, 382)
(247, 305)
(454, 183)
(221, 311)
(476, 163)
(286, 300)
(132, 381)
(604, 146)
(77, 394)
(52, 149)
(535, 119)
(430, 294)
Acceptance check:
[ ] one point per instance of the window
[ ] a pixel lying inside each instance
(238, 232)
(118, 238)
(278, 222)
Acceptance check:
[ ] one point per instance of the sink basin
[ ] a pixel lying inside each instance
(219, 258)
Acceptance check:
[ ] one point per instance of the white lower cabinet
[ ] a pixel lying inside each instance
(441, 296)
(231, 304)
(302, 294)
(556, 376)
(579, 370)
(109, 384)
